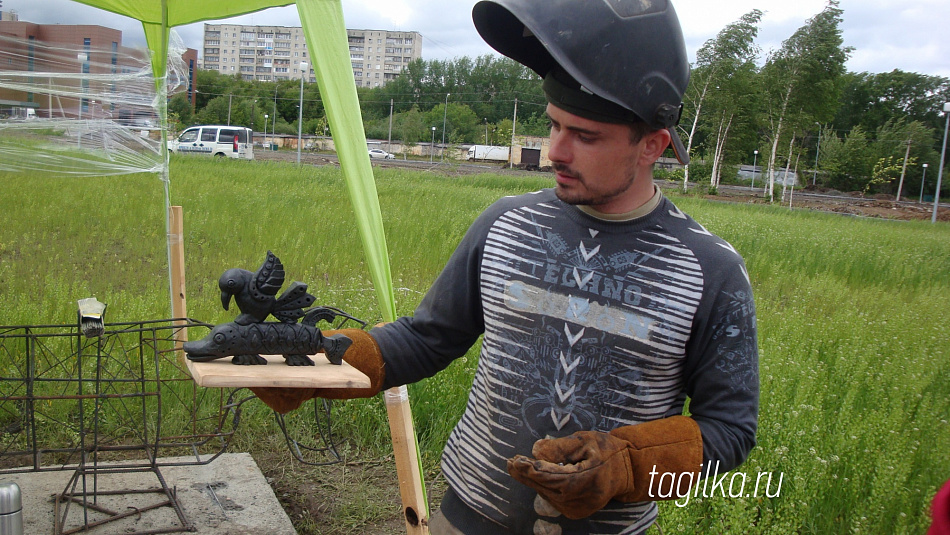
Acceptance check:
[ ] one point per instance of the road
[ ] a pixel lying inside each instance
(835, 202)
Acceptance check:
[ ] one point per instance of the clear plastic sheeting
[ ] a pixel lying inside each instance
(82, 112)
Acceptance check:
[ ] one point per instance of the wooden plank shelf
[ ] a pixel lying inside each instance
(221, 373)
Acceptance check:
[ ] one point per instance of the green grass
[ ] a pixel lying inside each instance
(855, 359)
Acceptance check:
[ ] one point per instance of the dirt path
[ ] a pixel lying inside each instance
(820, 199)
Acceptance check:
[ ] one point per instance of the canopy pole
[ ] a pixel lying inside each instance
(176, 239)
(326, 38)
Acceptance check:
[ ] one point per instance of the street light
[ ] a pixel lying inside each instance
(303, 70)
(943, 151)
(265, 131)
(755, 156)
(432, 145)
(817, 152)
(922, 183)
(445, 112)
(486, 130)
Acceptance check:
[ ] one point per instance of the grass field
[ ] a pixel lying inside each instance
(853, 317)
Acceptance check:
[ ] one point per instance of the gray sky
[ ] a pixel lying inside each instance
(886, 34)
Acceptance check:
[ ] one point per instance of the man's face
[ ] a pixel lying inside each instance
(596, 164)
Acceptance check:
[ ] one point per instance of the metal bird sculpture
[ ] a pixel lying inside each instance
(256, 293)
(249, 335)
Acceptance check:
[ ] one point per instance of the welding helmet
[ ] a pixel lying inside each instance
(630, 53)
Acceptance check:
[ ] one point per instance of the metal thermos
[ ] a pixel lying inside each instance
(11, 509)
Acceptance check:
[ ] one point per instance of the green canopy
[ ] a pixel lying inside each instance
(322, 21)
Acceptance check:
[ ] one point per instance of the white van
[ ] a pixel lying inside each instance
(215, 140)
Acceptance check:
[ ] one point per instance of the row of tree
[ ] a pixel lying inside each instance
(798, 107)
(802, 110)
(474, 100)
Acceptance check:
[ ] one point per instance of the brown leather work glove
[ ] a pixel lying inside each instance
(581, 473)
(363, 354)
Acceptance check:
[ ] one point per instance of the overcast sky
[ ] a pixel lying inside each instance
(885, 34)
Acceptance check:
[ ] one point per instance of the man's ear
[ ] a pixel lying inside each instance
(654, 144)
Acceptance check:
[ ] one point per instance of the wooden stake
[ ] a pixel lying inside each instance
(176, 245)
(408, 470)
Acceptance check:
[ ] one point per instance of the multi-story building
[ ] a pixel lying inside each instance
(275, 52)
(91, 53)
(8, 16)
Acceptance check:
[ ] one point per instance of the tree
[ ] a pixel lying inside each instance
(871, 100)
(488, 85)
(215, 112)
(725, 68)
(803, 79)
(885, 172)
(897, 139)
(845, 161)
(411, 127)
(180, 106)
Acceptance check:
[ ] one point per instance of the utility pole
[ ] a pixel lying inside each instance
(445, 112)
(229, 109)
(943, 152)
(389, 144)
(900, 185)
(303, 74)
(514, 124)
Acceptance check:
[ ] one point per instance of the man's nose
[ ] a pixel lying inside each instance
(559, 151)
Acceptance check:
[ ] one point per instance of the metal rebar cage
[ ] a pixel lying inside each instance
(120, 402)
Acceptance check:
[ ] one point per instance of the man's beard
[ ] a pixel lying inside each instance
(587, 197)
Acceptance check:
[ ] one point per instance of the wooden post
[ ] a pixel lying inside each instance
(176, 248)
(408, 470)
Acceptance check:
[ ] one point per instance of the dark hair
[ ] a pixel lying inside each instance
(640, 129)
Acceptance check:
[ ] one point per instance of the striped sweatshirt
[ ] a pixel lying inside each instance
(588, 325)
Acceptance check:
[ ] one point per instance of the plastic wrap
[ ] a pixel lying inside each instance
(82, 111)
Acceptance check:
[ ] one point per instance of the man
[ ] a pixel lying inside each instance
(603, 307)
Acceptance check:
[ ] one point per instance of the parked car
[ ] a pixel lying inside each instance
(215, 140)
(380, 153)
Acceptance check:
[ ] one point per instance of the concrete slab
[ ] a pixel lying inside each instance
(228, 496)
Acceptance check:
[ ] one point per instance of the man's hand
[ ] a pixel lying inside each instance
(363, 355)
(578, 474)
(581, 473)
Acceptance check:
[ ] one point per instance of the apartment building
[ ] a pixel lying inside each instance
(268, 53)
(91, 53)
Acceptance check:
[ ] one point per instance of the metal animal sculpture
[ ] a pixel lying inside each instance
(246, 343)
(249, 335)
(255, 293)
